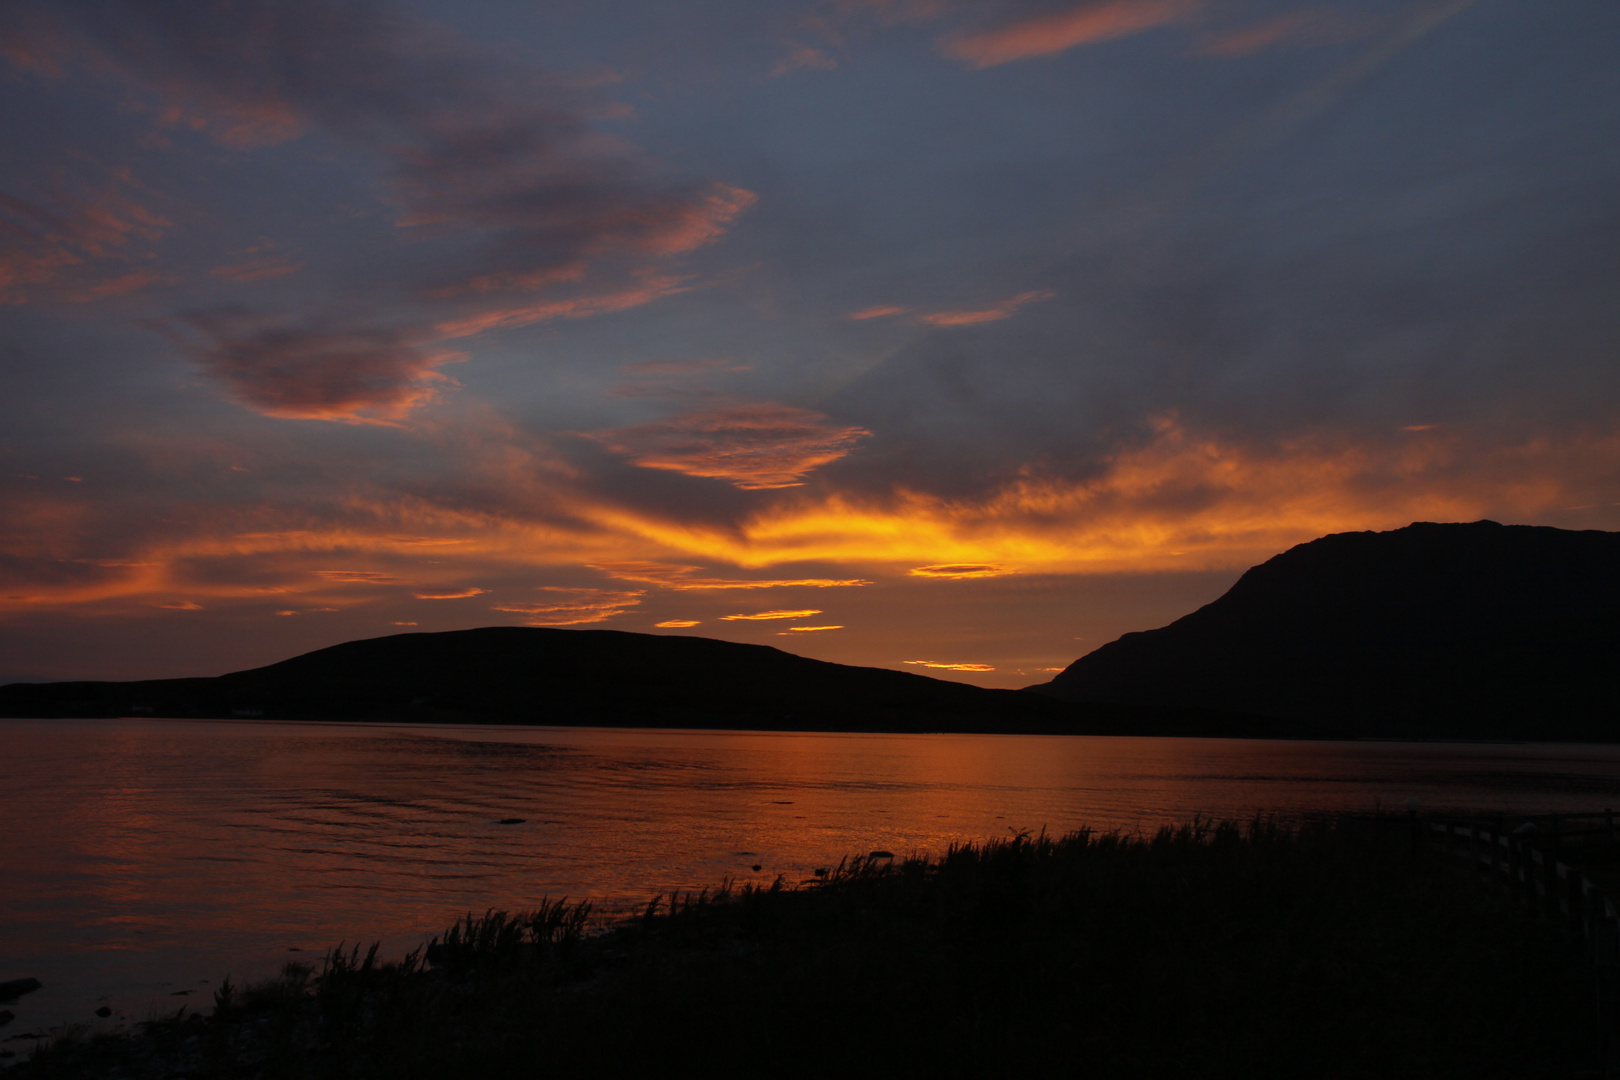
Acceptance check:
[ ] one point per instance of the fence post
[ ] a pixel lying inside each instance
(1511, 861)
(1549, 877)
(1555, 906)
(1575, 899)
(1606, 956)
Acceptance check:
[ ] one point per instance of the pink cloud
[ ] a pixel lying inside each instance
(1045, 35)
(578, 307)
(1004, 310)
(882, 311)
(693, 222)
(314, 372)
(75, 244)
(752, 446)
(535, 203)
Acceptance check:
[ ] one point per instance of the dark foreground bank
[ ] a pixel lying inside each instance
(1333, 950)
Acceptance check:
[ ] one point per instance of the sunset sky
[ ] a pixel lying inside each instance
(889, 332)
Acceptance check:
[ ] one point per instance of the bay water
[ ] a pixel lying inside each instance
(143, 860)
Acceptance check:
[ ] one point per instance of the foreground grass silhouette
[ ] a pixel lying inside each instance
(1328, 950)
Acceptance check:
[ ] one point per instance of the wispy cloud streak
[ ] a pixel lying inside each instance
(767, 616)
(1004, 310)
(76, 245)
(543, 217)
(754, 446)
(682, 579)
(1045, 35)
(573, 607)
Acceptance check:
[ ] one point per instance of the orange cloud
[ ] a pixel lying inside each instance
(1004, 310)
(767, 615)
(359, 577)
(752, 446)
(882, 311)
(459, 594)
(949, 667)
(809, 629)
(672, 576)
(1045, 35)
(959, 570)
(576, 607)
(677, 624)
(1177, 499)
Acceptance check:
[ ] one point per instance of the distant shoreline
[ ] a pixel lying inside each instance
(497, 724)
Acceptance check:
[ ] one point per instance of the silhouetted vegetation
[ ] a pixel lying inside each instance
(1330, 950)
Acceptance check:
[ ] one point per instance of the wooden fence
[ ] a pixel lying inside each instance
(1538, 860)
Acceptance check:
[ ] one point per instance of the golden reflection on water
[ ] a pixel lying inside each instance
(144, 855)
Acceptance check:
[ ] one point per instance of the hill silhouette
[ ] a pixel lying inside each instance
(1473, 630)
(587, 677)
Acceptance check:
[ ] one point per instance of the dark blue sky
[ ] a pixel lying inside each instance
(981, 333)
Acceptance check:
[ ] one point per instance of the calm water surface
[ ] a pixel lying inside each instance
(144, 859)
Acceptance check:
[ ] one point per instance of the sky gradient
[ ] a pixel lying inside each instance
(890, 332)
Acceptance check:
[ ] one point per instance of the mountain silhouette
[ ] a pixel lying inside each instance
(1473, 630)
(586, 677)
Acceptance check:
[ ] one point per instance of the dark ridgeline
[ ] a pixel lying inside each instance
(1475, 631)
(1449, 631)
(606, 677)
